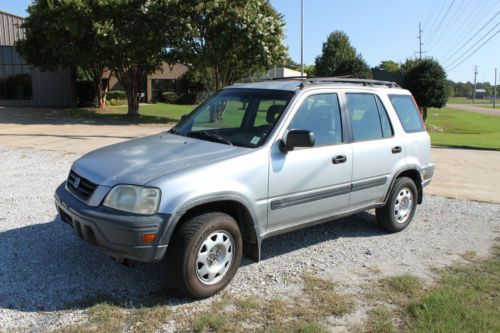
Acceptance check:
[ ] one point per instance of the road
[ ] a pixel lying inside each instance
(474, 108)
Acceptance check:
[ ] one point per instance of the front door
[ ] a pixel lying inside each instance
(308, 183)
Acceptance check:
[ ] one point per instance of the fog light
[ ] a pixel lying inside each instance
(149, 238)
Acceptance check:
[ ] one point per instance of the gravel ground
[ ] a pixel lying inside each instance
(47, 273)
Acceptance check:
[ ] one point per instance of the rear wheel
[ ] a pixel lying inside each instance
(398, 212)
(205, 254)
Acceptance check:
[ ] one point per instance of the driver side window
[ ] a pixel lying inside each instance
(320, 114)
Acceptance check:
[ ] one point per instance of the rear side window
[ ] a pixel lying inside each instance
(368, 117)
(408, 113)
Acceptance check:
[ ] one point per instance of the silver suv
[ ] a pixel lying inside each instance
(256, 160)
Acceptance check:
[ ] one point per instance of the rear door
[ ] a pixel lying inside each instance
(377, 151)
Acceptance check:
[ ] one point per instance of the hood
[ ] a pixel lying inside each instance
(139, 161)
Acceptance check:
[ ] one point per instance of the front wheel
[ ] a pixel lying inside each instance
(205, 254)
(398, 212)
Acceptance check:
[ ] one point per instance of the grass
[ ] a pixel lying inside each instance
(458, 128)
(150, 113)
(305, 313)
(464, 299)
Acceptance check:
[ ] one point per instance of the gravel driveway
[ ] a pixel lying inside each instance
(48, 275)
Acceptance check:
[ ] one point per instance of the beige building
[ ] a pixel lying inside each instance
(165, 79)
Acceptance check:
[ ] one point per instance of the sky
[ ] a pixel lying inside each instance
(388, 30)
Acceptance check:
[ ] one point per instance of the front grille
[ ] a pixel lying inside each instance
(79, 186)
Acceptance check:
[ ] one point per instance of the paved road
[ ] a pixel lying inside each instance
(460, 173)
(48, 129)
(476, 109)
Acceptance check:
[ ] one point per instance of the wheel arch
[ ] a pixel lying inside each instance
(413, 174)
(232, 206)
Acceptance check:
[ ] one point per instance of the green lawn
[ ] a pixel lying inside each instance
(464, 129)
(161, 111)
(148, 113)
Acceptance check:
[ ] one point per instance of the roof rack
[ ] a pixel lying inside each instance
(317, 80)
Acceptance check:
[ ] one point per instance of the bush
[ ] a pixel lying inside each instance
(116, 94)
(117, 102)
(188, 99)
(170, 97)
(85, 94)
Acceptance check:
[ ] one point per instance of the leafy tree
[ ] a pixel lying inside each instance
(64, 33)
(230, 39)
(390, 66)
(339, 58)
(137, 35)
(426, 79)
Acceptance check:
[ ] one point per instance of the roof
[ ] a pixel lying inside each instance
(10, 29)
(293, 84)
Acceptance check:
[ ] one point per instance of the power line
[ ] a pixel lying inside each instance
(472, 23)
(450, 28)
(472, 37)
(473, 52)
(473, 45)
(444, 19)
(432, 25)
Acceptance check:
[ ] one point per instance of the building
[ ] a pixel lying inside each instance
(168, 78)
(22, 84)
(480, 93)
(282, 72)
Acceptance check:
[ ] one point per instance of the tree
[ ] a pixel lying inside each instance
(339, 58)
(64, 33)
(138, 36)
(389, 66)
(230, 39)
(426, 80)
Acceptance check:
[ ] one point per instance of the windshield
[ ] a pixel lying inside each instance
(239, 117)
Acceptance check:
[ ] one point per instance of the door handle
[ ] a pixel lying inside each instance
(339, 159)
(397, 150)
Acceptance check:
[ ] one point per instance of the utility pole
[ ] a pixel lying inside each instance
(302, 38)
(420, 40)
(495, 90)
(475, 81)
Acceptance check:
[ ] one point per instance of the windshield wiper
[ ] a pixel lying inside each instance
(209, 135)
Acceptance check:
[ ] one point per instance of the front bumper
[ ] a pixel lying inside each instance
(118, 234)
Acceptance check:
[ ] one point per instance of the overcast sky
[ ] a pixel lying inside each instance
(388, 30)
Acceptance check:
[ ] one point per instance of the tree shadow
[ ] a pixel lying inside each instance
(45, 267)
(51, 116)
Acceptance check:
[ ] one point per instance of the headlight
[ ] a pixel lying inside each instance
(134, 199)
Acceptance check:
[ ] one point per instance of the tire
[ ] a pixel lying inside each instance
(204, 254)
(398, 212)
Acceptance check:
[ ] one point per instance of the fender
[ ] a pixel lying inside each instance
(418, 184)
(253, 251)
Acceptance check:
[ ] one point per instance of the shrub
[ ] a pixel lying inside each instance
(188, 99)
(170, 97)
(85, 94)
(116, 94)
(117, 102)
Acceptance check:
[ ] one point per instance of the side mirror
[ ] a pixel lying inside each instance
(297, 138)
(184, 116)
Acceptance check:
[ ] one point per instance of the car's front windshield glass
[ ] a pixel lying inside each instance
(240, 117)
